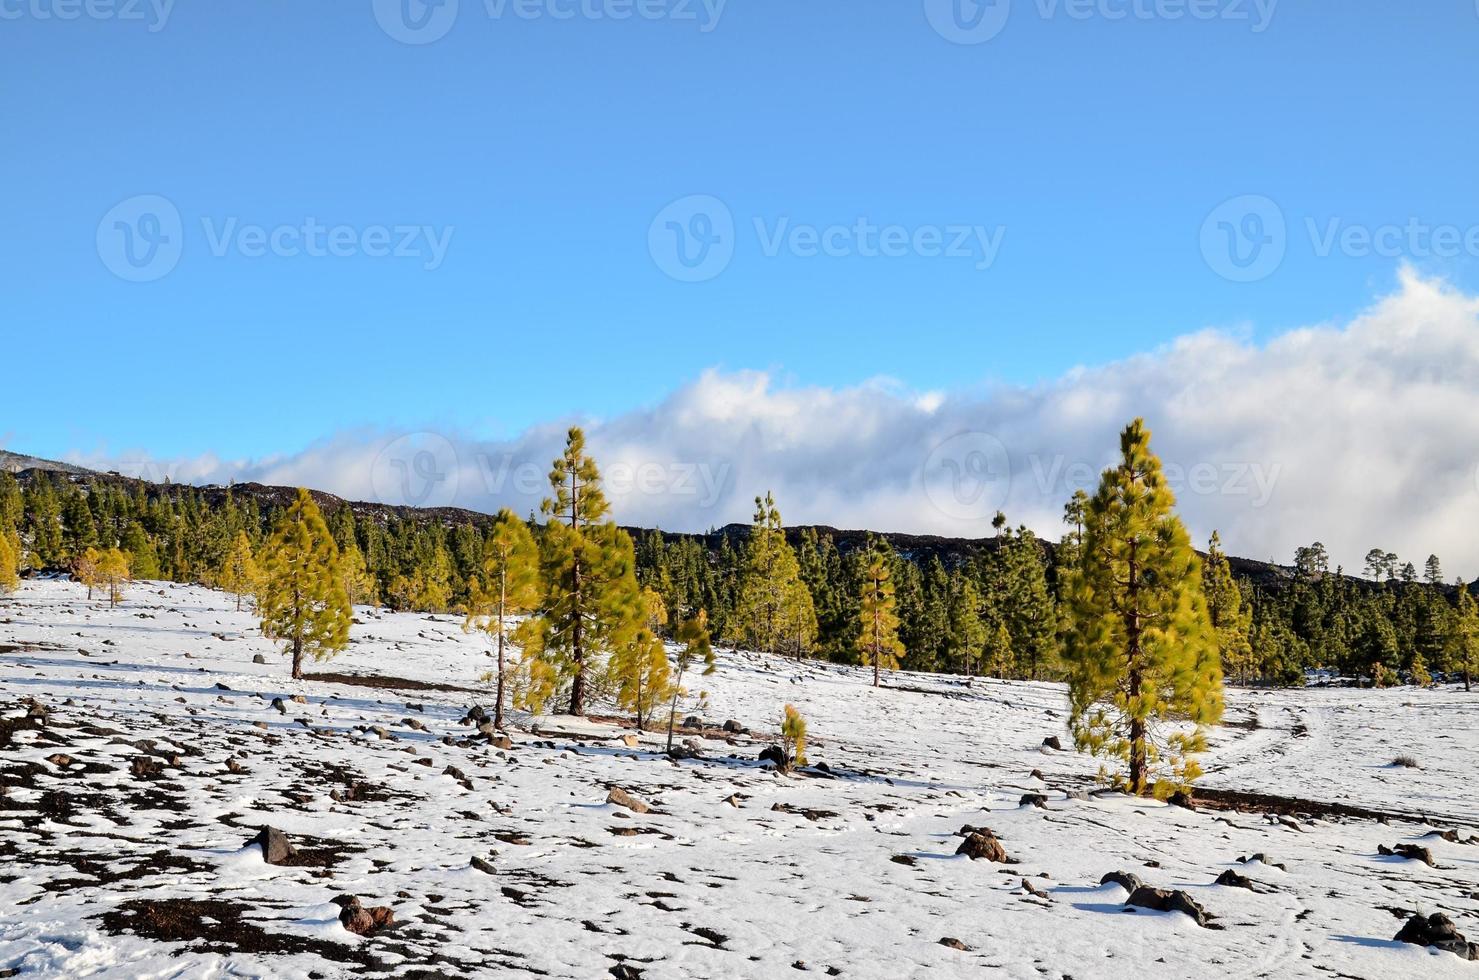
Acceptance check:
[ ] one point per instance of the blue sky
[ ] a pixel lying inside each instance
(540, 150)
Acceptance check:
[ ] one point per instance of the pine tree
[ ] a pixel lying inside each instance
(967, 629)
(511, 577)
(591, 602)
(793, 737)
(774, 607)
(302, 601)
(114, 573)
(1462, 647)
(640, 666)
(878, 642)
(1433, 571)
(1141, 651)
(10, 556)
(1230, 620)
(359, 584)
(85, 569)
(694, 648)
(238, 574)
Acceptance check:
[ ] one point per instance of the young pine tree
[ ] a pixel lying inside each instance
(878, 640)
(640, 665)
(85, 569)
(1230, 620)
(694, 648)
(1461, 646)
(793, 737)
(774, 608)
(10, 559)
(967, 629)
(1141, 652)
(511, 577)
(302, 600)
(114, 573)
(591, 604)
(238, 573)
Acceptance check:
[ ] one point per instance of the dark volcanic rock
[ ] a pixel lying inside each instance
(275, 846)
(1166, 900)
(1412, 852)
(1051, 742)
(1438, 931)
(360, 920)
(1232, 879)
(1125, 879)
(773, 754)
(982, 844)
(1033, 799)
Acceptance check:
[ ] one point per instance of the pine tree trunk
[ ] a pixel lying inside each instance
(1132, 635)
(297, 658)
(577, 638)
(673, 709)
(498, 688)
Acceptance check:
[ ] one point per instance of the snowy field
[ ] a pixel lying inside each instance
(127, 809)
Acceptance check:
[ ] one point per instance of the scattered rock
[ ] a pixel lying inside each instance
(982, 844)
(693, 721)
(1438, 931)
(735, 728)
(954, 943)
(274, 845)
(1168, 900)
(143, 767)
(501, 742)
(733, 801)
(234, 767)
(484, 865)
(1232, 879)
(1033, 799)
(360, 920)
(630, 741)
(621, 797)
(1261, 858)
(1412, 852)
(60, 760)
(1127, 880)
(259, 659)
(775, 755)
(1034, 891)
(280, 705)
(1051, 742)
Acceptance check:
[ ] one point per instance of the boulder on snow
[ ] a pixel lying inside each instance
(275, 846)
(1038, 800)
(734, 727)
(620, 797)
(983, 845)
(1051, 742)
(1232, 879)
(1127, 880)
(280, 705)
(483, 865)
(693, 721)
(360, 920)
(1438, 931)
(259, 659)
(774, 754)
(1412, 852)
(1168, 900)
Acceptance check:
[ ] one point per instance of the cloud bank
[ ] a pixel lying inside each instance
(1358, 435)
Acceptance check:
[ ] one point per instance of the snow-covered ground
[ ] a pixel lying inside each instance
(865, 885)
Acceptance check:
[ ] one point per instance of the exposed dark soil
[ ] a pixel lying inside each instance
(386, 683)
(209, 925)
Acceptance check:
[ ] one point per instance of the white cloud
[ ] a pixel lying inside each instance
(1357, 435)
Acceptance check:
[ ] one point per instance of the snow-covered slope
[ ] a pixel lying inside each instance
(115, 869)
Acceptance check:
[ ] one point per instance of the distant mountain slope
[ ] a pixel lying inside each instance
(920, 547)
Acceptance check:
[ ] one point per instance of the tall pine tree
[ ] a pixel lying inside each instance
(510, 587)
(878, 640)
(302, 600)
(1141, 652)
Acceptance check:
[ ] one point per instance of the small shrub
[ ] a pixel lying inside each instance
(1406, 762)
(793, 736)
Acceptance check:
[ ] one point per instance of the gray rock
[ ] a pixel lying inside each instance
(275, 846)
(1167, 900)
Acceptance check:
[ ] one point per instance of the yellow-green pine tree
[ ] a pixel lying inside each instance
(1230, 619)
(878, 643)
(85, 569)
(1141, 653)
(1461, 646)
(774, 605)
(591, 603)
(695, 647)
(302, 602)
(10, 559)
(238, 573)
(113, 573)
(359, 584)
(642, 673)
(511, 588)
(793, 737)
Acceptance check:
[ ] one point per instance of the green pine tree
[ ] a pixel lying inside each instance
(238, 574)
(1461, 649)
(774, 610)
(1230, 620)
(694, 648)
(511, 588)
(302, 600)
(878, 643)
(1141, 652)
